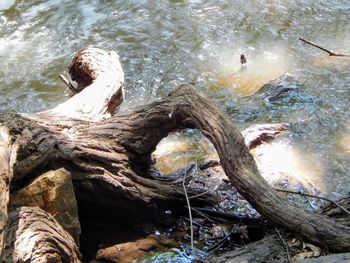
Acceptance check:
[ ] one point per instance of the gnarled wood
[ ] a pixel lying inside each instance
(110, 160)
(35, 236)
(269, 249)
(272, 249)
(102, 73)
(5, 176)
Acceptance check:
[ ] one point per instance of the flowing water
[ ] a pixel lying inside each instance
(164, 43)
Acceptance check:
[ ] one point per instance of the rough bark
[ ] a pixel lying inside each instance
(272, 249)
(269, 249)
(110, 159)
(336, 258)
(6, 161)
(336, 213)
(35, 236)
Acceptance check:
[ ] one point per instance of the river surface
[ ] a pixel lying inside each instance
(164, 43)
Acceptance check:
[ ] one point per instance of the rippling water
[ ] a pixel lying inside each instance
(163, 43)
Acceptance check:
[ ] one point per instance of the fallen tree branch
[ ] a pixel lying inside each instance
(110, 158)
(331, 53)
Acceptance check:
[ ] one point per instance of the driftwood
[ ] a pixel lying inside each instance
(110, 156)
(35, 236)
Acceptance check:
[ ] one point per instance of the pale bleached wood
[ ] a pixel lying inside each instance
(100, 80)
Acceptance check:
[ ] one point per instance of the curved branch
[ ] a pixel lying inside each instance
(184, 107)
(100, 79)
(114, 155)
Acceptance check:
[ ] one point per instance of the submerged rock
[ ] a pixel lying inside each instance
(53, 192)
(132, 251)
(278, 88)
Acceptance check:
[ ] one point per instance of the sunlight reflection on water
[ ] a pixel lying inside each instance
(164, 43)
(261, 68)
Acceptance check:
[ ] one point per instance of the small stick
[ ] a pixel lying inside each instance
(331, 53)
(194, 222)
(227, 216)
(208, 217)
(68, 84)
(313, 196)
(218, 245)
(189, 209)
(198, 195)
(284, 243)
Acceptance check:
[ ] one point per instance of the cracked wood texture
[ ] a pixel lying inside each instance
(110, 158)
(5, 172)
(35, 236)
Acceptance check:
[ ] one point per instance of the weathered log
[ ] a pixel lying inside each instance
(336, 258)
(337, 212)
(272, 249)
(110, 159)
(269, 249)
(6, 175)
(35, 236)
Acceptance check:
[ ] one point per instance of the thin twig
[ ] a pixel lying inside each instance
(198, 195)
(208, 217)
(313, 196)
(284, 243)
(68, 84)
(218, 245)
(228, 216)
(189, 209)
(331, 53)
(194, 222)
